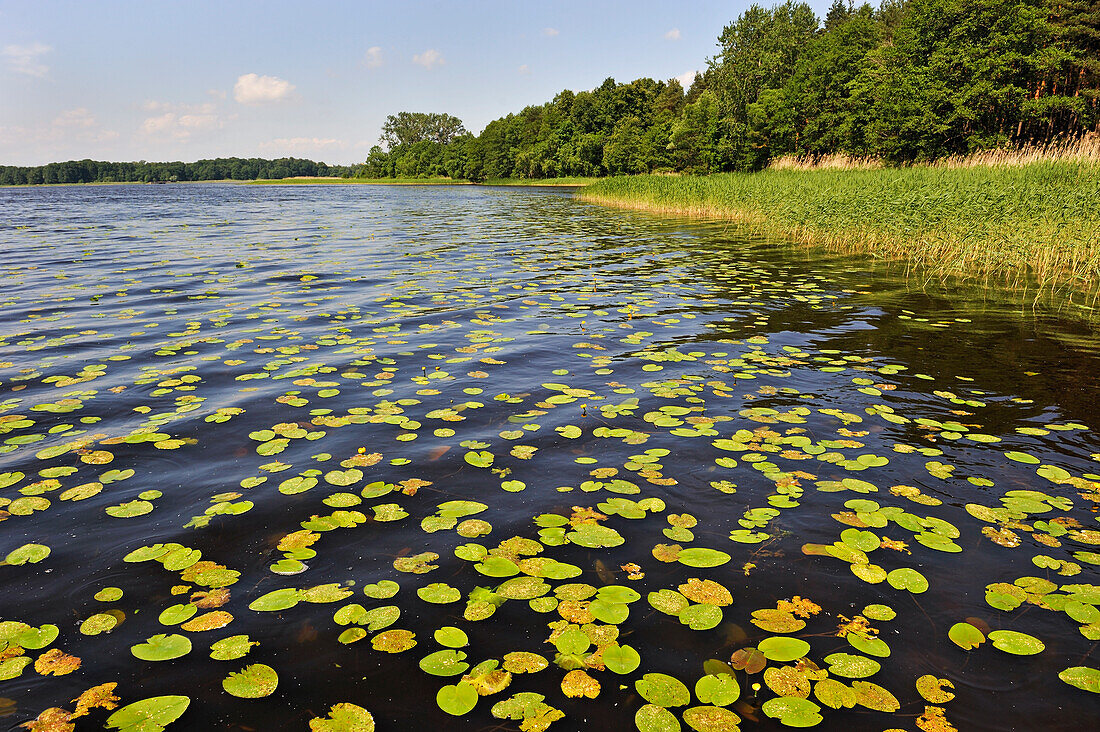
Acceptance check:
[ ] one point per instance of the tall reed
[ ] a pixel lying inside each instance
(1027, 220)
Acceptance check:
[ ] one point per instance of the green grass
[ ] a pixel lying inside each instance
(566, 182)
(365, 181)
(428, 181)
(1028, 226)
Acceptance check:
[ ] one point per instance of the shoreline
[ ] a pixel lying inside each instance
(1033, 228)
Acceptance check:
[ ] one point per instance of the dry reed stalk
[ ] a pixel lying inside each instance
(1084, 149)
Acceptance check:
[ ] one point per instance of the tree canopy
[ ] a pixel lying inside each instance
(906, 81)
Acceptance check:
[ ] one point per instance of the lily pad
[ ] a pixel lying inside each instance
(1018, 644)
(457, 699)
(149, 715)
(663, 690)
(965, 636)
(793, 711)
(252, 682)
(782, 649)
(162, 647)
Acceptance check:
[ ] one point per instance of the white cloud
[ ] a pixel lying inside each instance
(299, 144)
(686, 78)
(254, 89)
(550, 32)
(75, 118)
(180, 121)
(524, 69)
(373, 59)
(27, 59)
(429, 58)
(673, 35)
(67, 134)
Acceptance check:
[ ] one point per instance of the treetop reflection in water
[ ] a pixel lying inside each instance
(331, 458)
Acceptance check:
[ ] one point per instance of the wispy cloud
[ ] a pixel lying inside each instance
(256, 89)
(429, 59)
(179, 121)
(71, 126)
(75, 118)
(550, 32)
(686, 78)
(301, 144)
(673, 35)
(27, 59)
(373, 58)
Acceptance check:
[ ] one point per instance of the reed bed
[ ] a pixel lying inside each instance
(1030, 225)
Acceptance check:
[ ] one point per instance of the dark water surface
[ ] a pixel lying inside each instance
(291, 380)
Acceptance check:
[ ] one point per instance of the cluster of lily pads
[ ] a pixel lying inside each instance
(601, 471)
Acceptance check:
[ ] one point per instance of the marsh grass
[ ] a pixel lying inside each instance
(564, 182)
(1033, 226)
(363, 181)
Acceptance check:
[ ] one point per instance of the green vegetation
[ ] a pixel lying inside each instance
(1022, 224)
(97, 171)
(909, 81)
(364, 181)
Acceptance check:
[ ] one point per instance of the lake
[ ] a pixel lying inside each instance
(477, 458)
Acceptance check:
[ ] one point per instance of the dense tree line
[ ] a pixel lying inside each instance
(96, 171)
(908, 81)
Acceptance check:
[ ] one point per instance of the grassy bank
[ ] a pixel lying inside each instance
(362, 181)
(564, 182)
(1028, 225)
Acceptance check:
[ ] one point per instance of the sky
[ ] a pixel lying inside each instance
(188, 79)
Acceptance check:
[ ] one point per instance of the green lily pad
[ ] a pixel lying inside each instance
(252, 682)
(439, 593)
(276, 600)
(792, 711)
(98, 623)
(965, 636)
(457, 699)
(907, 579)
(654, 718)
(1083, 677)
(851, 666)
(177, 614)
(869, 644)
(447, 662)
(717, 689)
(782, 649)
(344, 717)
(451, 637)
(27, 554)
(231, 648)
(701, 616)
(663, 690)
(1018, 644)
(479, 459)
(621, 659)
(702, 557)
(149, 715)
(162, 647)
(382, 590)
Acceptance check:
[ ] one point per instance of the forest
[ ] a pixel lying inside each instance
(96, 171)
(906, 82)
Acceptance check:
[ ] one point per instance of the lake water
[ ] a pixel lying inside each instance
(659, 447)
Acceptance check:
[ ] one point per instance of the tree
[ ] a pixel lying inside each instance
(407, 128)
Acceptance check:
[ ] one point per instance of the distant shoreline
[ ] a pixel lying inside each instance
(303, 181)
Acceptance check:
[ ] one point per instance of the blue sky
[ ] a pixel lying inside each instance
(158, 80)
